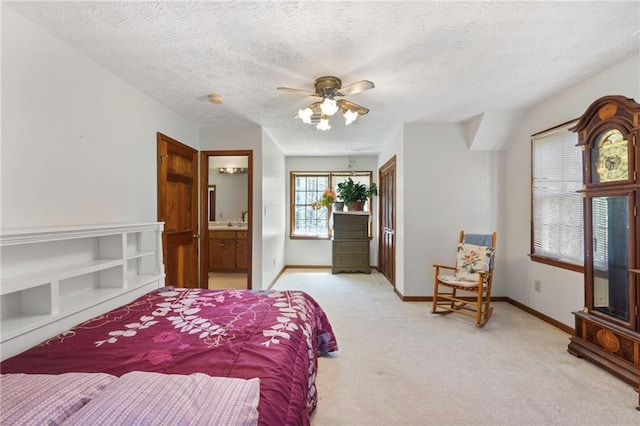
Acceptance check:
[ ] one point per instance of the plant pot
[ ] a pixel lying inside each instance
(357, 206)
(338, 206)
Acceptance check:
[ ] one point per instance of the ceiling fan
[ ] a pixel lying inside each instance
(329, 88)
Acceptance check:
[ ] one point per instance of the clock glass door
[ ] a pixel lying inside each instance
(610, 254)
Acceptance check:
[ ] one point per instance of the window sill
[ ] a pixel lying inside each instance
(309, 237)
(557, 263)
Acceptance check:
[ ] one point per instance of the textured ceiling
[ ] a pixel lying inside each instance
(430, 61)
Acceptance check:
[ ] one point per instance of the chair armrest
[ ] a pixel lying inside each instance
(483, 276)
(435, 265)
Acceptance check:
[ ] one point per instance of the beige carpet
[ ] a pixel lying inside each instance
(399, 364)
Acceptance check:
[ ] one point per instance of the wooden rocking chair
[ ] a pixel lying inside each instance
(473, 274)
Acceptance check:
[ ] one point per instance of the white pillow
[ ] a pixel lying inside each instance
(472, 259)
(145, 398)
(47, 399)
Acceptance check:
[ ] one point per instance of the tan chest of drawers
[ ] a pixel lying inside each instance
(350, 245)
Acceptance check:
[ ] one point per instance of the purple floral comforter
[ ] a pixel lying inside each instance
(273, 335)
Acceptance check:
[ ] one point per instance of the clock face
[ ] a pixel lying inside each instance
(612, 158)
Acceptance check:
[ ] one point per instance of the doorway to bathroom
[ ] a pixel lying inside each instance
(226, 219)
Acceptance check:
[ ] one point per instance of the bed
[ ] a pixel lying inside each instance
(274, 336)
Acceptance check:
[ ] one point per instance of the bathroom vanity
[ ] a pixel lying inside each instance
(228, 247)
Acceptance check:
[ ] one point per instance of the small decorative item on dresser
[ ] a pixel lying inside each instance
(328, 198)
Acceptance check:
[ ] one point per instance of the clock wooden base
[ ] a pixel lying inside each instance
(613, 348)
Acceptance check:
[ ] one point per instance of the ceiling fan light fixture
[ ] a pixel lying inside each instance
(327, 89)
(323, 124)
(350, 116)
(305, 115)
(329, 107)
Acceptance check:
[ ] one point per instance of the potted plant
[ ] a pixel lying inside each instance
(355, 194)
(328, 197)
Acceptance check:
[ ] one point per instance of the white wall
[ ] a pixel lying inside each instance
(78, 143)
(274, 223)
(562, 291)
(243, 138)
(318, 252)
(447, 188)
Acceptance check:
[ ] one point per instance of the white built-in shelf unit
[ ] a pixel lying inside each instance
(54, 278)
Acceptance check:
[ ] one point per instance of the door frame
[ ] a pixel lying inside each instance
(383, 199)
(210, 204)
(204, 211)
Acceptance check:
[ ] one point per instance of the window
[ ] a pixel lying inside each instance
(307, 187)
(556, 168)
(305, 221)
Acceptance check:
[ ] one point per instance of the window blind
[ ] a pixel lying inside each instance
(557, 218)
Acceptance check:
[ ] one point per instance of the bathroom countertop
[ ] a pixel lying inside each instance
(225, 227)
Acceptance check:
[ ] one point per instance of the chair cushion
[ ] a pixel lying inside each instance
(479, 239)
(452, 281)
(472, 259)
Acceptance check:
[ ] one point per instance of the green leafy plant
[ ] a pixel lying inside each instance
(353, 192)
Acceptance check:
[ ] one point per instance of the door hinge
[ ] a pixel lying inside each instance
(635, 211)
(161, 158)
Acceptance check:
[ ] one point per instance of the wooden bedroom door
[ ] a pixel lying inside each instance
(178, 209)
(387, 240)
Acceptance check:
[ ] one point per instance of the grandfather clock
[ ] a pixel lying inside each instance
(607, 330)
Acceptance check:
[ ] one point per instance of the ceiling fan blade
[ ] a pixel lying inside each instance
(304, 92)
(344, 105)
(357, 87)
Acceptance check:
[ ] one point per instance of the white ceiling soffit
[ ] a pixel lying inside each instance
(430, 61)
(491, 130)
